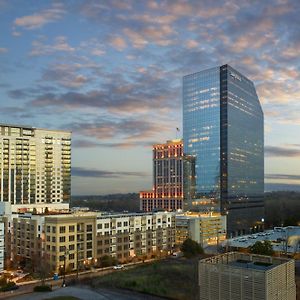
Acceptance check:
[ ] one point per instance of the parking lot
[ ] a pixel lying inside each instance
(283, 239)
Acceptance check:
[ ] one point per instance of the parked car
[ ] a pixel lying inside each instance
(118, 267)
(177, 254)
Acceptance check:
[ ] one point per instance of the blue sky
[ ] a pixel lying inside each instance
(111, 72)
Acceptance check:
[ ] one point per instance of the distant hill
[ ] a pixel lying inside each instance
(114, 202)
(278, 187)
(281, 207)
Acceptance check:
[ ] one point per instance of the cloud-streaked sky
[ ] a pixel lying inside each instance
(111, 72)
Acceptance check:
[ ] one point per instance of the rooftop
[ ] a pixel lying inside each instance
(32, 127)
(194, 215)
(246, 261)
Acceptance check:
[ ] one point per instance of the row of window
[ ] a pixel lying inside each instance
(62, 229)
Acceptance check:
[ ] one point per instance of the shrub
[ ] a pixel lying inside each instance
(262, 248)
(9, 286)
(42, 288)
(107, 261)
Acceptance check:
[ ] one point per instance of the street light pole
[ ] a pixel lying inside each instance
(64, 280)
(64, 276)
(77, 264)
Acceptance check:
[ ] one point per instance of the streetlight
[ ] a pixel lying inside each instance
(263, 224)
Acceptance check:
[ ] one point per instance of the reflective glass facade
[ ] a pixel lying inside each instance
(223, 128)
(201, 131)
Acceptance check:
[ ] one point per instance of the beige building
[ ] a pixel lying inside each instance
(35, 168)
(241, 276)
(125, 236)
(69, 240)
(27, 239)
(81, 239)
(205, 228)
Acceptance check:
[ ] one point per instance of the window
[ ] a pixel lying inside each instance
(119, 224)
(53, 239)
(71, 256)
(71, 247)
(71, 228)
(62, 229)
(125, 223)
(61, 258)
(89, 236)
(62, 239)
(89, 227)
(106, 225)
(62, 248)
(99, 226)
(89, 245)
(99, 243)
(71, 238)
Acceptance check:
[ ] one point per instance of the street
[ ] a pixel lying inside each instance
(85, 293)
(27, 287)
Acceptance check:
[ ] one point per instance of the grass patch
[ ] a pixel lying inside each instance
(173, 278)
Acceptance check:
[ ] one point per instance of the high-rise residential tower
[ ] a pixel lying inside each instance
(167, 192)
(173, 178)
(35, 167)
(223, 127)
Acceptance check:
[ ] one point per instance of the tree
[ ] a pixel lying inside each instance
(107, 261)
(43, 269)
(263, 248)
(191, 248)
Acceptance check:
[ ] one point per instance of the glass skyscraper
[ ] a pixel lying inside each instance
(223, 127)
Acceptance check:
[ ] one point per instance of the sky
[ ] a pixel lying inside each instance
(111, 72)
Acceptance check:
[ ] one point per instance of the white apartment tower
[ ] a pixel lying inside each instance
(35, 167)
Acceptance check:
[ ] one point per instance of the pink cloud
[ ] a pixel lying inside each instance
(42, 18)
(118, 43)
